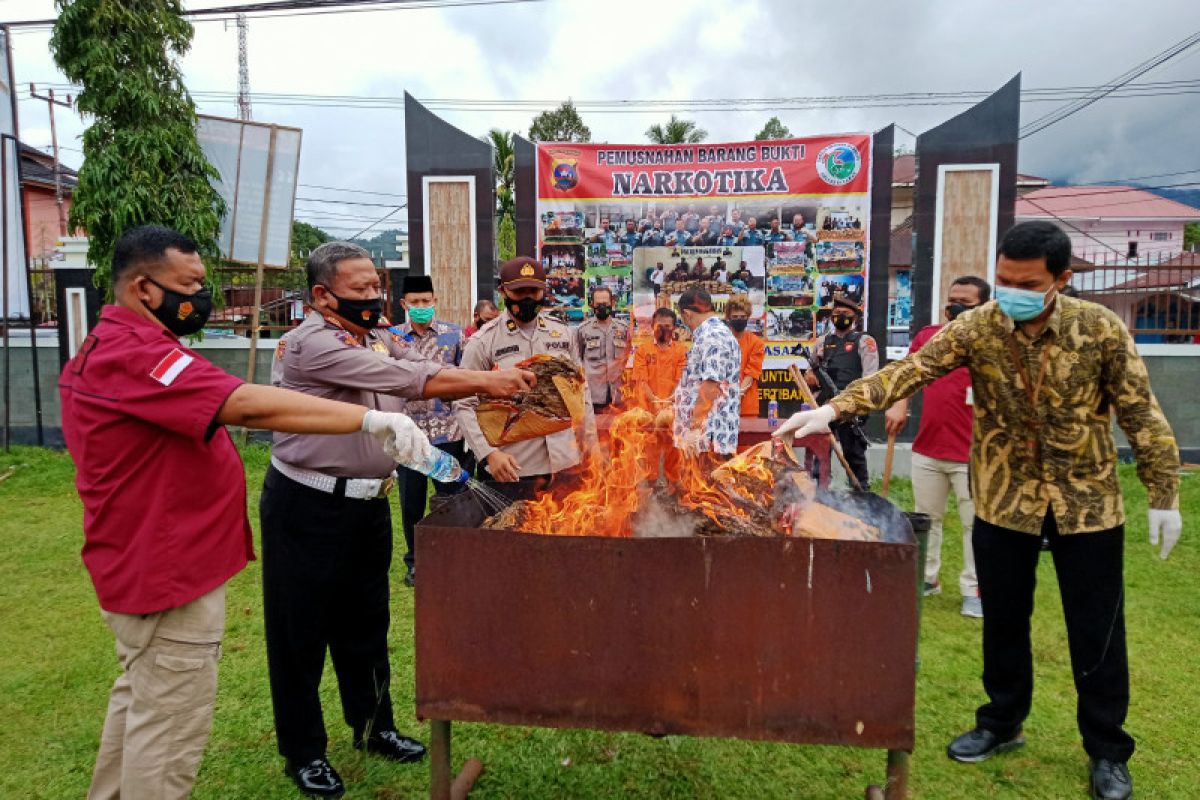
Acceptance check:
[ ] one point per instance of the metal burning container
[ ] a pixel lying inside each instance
(783, 638)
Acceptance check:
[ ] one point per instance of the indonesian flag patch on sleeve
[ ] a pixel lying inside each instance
(173, 363)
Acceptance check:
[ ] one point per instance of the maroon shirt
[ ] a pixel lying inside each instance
(946, 418)
(163, 489)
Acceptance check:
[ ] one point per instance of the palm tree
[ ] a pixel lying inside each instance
(502, 160)
(676, 131)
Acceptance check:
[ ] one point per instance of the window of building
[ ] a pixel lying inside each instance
(1132, 250)
(1160, 236)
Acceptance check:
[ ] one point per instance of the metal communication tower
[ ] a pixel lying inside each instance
(243, 71)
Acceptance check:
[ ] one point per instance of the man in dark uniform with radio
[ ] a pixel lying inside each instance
(847, 354)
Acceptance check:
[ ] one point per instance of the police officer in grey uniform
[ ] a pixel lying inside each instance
(518, 333)
(848, 354)
(326, 524)
(604, 342)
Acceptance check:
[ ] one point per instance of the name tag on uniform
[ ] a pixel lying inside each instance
(503, 351)
(970, 395)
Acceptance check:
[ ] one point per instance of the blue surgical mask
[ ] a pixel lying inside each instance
(1021, 305)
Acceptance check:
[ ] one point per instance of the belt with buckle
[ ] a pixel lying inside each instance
(353, 488)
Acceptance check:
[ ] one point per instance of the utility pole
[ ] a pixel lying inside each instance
(51, 102)
(243, 70)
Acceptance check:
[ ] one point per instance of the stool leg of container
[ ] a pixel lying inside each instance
(439, 760)
(897, 775)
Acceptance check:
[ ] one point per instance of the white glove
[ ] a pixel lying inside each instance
(400, 437)
(807, 423)
(1169, 523)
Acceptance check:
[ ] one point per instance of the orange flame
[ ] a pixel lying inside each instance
(614, 488)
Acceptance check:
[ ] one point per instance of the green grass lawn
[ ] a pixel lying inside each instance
(57, 664)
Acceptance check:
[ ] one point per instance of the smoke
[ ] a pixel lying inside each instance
(657, 520)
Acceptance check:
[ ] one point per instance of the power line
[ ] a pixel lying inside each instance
(381, 219)
(1054, 117)
(298, 8)
(816, 102)
(353, 191)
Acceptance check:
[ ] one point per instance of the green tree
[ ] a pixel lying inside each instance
(142, 162)
(1191, 235)
(563, 124)
(506, 238)
(774, 129)
(676, 131)
(305, 239)
(503, 163)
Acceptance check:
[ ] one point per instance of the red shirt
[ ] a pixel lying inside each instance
(946, 418)
(163, 489)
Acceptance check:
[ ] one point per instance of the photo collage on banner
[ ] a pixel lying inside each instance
(782, 222)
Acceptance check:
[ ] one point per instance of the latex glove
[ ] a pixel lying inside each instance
(807, 423)
(1167, 523)
(400, 437)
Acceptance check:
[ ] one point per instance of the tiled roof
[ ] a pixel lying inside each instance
(904, 171)
(1094, 202)
(900, 251)
(38, 167)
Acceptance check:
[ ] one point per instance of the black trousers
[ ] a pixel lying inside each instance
(854, 448)
(1091, 583)
(414, 494)
(325, 562)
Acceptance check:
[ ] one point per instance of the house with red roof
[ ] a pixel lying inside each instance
(1108, 223)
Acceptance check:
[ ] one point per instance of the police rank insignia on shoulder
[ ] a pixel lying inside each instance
(346, 338)
(512, 326)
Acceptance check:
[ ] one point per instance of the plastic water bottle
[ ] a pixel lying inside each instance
(443, 467)
(773, 414)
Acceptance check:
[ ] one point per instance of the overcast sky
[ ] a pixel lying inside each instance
(699, 49)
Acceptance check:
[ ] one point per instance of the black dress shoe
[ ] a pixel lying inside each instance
(978, 745)
(317, 778)
(391, 745)
(1110, 780)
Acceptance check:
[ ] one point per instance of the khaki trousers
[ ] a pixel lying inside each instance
(161, 707)
(932, 480)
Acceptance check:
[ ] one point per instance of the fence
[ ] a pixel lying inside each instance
(1157, 298)
(283, 299)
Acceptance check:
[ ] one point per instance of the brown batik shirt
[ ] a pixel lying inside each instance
(1043, 405)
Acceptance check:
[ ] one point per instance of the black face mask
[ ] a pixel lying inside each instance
(843, 323)
(523, 310)
(602, 311)
(182, 314)
(954, 309)
(363, 313)
(738, 325)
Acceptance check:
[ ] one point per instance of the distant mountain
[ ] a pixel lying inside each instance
(1189, 197)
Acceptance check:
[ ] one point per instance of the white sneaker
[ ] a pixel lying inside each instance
(972, 607)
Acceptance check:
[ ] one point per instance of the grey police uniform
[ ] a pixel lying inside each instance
(605, 349)
(503, 343)
(327, 535)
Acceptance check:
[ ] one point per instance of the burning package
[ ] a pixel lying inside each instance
(551, 406)
(763, 491)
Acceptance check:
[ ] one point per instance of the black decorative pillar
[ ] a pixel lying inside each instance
(455, 169)
(525, 180)
(965, 199)
(77, 298)
(881, 237)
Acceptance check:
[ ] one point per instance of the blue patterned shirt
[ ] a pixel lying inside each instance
(715, 356)
(443, 341)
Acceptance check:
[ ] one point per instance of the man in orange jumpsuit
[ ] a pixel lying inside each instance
(657, 367)
(737, 315)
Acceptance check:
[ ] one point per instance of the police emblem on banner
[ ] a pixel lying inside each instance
(564, 169)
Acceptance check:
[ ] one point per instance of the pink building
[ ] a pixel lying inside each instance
(37, 194)
(1112, 222)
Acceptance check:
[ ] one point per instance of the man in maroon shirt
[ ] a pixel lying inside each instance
(164, 502)
(942, 449)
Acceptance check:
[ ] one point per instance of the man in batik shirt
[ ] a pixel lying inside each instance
(708, 397)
